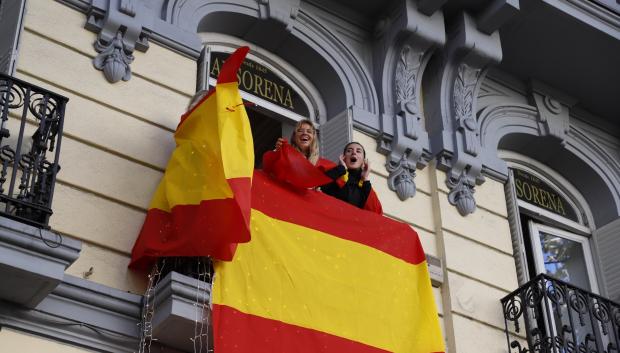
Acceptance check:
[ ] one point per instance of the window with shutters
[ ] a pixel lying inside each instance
(558, 303)
(277, 103)
(11, 25)
(554, 224)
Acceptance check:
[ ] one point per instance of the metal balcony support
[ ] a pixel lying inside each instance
(31, 121)
(547, 315)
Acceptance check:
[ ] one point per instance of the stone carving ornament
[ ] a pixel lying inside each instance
(463, 98)
(401, 178)
(401, 169)
(461, 194)
(407, 69)
(113, 59)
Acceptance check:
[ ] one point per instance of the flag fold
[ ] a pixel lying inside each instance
(202, 204)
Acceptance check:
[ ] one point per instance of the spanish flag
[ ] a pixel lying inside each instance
(323, 276)
(202, 204)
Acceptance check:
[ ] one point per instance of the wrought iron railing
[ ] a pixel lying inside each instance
(30, 135)
(560, 318)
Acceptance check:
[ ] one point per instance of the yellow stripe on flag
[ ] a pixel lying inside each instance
(214, 144)
(238, 155)
(311, 279)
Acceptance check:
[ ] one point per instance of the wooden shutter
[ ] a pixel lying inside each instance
(514, 220)
(11, 24)
(334, 134)
(607, 244)
(202, 74)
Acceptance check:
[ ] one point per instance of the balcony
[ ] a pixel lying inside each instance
(547, 315)
(30, 135)
(33, 258)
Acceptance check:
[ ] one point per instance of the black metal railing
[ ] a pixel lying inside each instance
(560, 318)
(30, 135)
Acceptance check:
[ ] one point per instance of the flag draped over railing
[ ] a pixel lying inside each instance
(202, 204)
(321, 275)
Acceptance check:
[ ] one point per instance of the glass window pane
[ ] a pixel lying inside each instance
(564, 260)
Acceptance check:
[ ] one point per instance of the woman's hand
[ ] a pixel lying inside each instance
(366, 170)
(342, 163)
(279, 144)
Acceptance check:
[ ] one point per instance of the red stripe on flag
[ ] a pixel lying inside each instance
(238, 332)
(313, 209)
(228, 73)
(208, 229)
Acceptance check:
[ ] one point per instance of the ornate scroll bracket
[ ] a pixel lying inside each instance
(553, 111)
(283, 11)
(122, 27)
(451, 97)
(406, 39)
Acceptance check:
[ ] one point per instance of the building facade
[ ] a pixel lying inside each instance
(492, 127)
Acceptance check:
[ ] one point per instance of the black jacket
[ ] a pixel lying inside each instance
(354, 191)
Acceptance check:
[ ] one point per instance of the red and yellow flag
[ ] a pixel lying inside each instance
(323, 276)
(202, 205)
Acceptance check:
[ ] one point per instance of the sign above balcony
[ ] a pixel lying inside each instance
(537, 192)
(259, 81)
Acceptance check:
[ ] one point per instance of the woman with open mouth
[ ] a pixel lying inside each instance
(351, 179)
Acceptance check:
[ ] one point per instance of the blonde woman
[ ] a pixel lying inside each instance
(304, 139)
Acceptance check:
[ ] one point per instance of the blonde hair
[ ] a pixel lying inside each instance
(313, 152)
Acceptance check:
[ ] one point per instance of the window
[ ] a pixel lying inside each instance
(280, 99)
(11, 24)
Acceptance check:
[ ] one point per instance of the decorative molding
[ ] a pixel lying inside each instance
(461, 194)
(553, 114)
(283, 11)
(32, 261)
(452, 87)
(401, 178)
(406, 40)
(599, 183)
(464, 98)
(113, 59)
(81, 313)
(122, 26)
(128, 7)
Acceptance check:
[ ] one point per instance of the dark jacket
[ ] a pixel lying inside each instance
(347, 186)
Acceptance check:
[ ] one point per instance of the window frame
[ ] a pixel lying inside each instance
(535, 228)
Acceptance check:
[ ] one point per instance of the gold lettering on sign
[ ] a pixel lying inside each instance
(257, 84)
(215, 71)
(540, 197)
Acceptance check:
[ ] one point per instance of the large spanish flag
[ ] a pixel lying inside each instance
(321, 275)
(202, 204)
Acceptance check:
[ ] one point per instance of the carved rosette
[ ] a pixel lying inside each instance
(401, 178)
(461, 195)
(463, 103)
(113, 60)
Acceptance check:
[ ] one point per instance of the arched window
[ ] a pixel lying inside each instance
(280, 94)
(551, 224)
